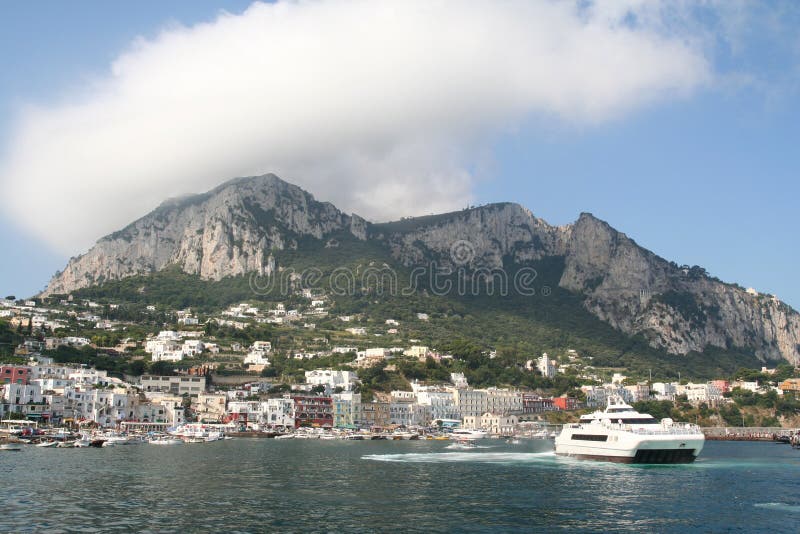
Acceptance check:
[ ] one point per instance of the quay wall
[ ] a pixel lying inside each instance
(732, 433)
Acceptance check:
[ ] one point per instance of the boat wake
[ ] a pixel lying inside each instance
(781, 506)
(474, 457)
(459, 446)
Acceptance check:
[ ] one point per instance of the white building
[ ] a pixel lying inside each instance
(177, 385)
(442, 404)
(22, 398)
(88, 376)
(192, 347)
(53, 384)
(278, 412)
(332, 379)
(639, 392)
(261, 346)
(378, 352)
(546, 366)
(256, 357)
(210, 406)
(417, 351)
(409, 414)
(497, 424)
(747, 386)
(700, 392)
(459, 380)
(664, 390)
(175, 355)
(76, 341)
(357, 331)
(480, 401)
(106, 407)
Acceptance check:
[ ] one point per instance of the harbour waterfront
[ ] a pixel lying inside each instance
(250, 485)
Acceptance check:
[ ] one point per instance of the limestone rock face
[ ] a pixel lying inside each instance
(242, 225)
(680, 309)
(229, 231)
(478, 237)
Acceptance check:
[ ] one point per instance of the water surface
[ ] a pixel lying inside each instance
(251, 485)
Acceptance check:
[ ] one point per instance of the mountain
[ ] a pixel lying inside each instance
(229, 231)
(248, 225)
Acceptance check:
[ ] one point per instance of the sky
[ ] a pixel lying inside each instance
(677, 122)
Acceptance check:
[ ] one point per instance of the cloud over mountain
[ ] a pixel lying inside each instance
(385, 108)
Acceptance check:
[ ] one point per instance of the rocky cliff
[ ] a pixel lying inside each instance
(677, 308)
(242, 225)
(229, 231)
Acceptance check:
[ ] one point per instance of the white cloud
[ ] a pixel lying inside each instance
(378, 107)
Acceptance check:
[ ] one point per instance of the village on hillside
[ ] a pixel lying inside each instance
(80, 362)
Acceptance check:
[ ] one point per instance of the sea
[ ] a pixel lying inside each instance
(267, 485)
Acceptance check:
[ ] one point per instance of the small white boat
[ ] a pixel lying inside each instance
(46, 444)
(165, 441)
(285, 436)
(463, 433)
(10, 447)
(115, 439)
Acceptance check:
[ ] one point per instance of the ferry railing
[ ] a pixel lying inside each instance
(672, 430)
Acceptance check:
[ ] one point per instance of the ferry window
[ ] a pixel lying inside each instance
(640, 421)
(589, 437)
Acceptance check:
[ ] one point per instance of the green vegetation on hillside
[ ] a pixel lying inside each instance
(9, 339)
(363, 280)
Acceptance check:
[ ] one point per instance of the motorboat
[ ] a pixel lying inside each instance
(463, 433)
(165, 440)
(621, 434)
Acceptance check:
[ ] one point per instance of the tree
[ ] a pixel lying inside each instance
(160, 368)
(137, 367)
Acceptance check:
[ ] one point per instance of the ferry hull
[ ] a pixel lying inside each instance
(632, 449)
(644, 456)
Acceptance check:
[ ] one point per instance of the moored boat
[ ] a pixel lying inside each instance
(165, 441)
(463, 433)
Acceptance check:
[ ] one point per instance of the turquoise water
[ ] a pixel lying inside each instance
(293, 485)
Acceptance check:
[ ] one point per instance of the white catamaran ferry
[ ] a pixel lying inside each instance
(621, 434)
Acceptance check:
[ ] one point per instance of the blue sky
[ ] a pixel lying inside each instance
(701, 172)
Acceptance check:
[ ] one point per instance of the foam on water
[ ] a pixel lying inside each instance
(782, 506)
(482, 457)
(457, 446)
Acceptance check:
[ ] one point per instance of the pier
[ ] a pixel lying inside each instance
(747, 433)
